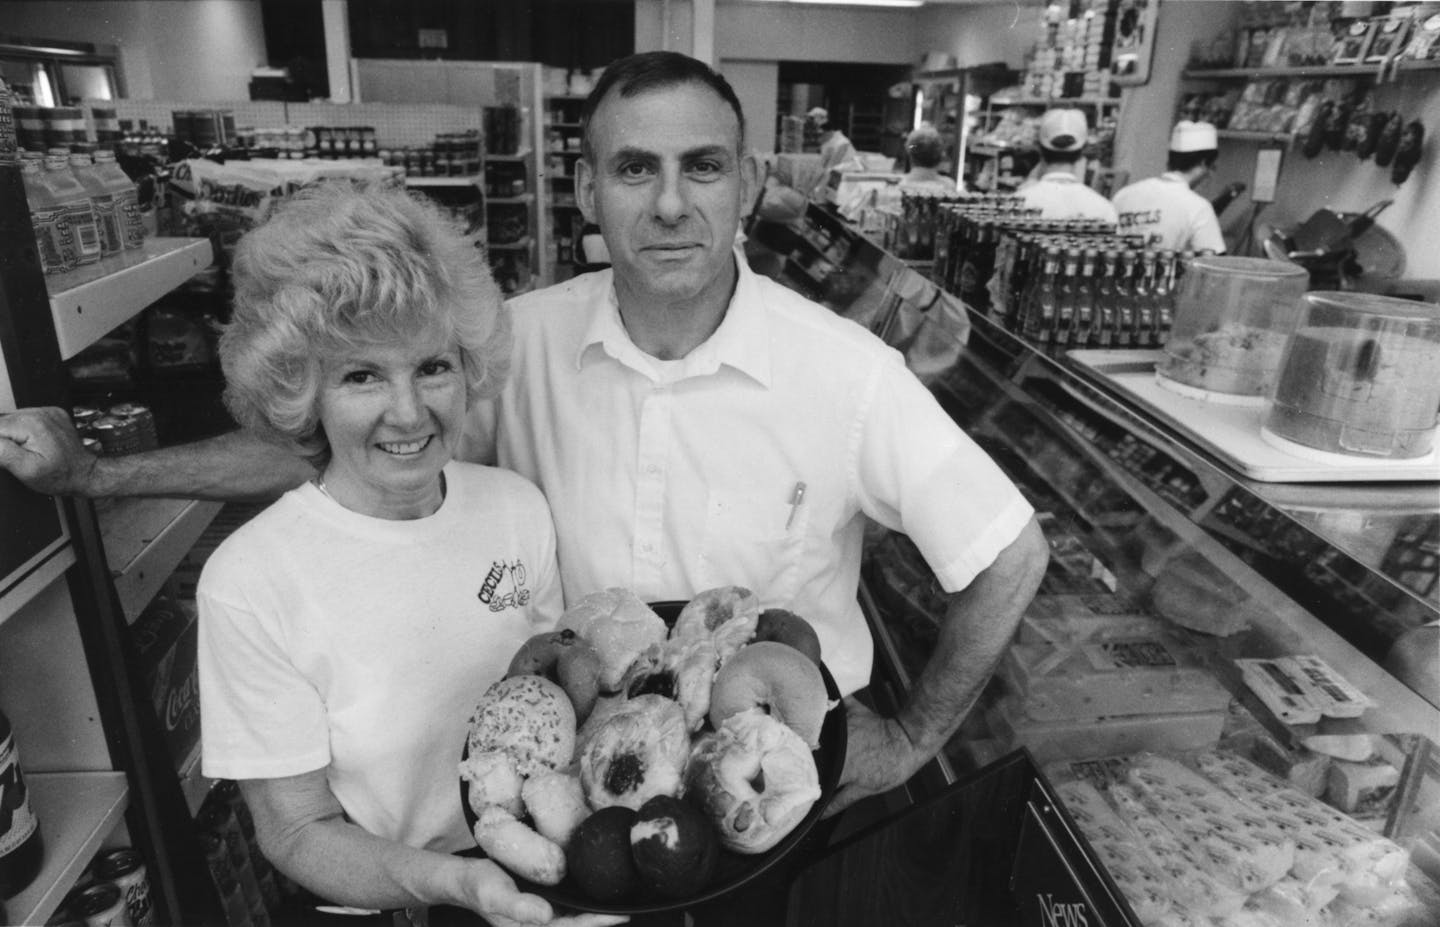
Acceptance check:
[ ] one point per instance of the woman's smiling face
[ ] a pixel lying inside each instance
(393, 414)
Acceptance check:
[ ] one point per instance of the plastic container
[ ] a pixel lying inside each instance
(1361, 378)
(53, 237)
(126, 202)
(1233, 316)
(102, 200)
(71, 194)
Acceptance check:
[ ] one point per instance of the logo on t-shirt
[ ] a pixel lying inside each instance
(504, 586)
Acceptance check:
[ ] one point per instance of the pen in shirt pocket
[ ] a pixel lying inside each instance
(797, 496)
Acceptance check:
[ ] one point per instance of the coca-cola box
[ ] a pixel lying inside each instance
(165, 638)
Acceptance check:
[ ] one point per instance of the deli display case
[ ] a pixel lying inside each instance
(1199, 716)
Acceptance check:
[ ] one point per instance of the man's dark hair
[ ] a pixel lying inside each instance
(648, 71)
(1182, 161)
(1051, 156)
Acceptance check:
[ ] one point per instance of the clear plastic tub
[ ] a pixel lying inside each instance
(1233, 316)
(1361, 377)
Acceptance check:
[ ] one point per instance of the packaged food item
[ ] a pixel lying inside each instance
(1364, 789)
(1106, 678)
(75, 200)
(1062, 619)
(125, 869)
(22, 846)
(1085, 738)
(51, 223)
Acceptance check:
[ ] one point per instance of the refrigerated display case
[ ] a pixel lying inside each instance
(1181, 599)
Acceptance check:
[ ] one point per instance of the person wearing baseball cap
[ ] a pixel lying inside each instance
(836, 151)
(1059, 192)
(1166, 209)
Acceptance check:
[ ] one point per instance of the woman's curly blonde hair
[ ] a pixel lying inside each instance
(342, 264)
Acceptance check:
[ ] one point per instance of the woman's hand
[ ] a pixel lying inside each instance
(499, 901)
(878, 756)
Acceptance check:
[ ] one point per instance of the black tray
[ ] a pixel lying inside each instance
(734, 869)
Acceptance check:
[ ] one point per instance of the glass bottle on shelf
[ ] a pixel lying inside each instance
(1066, 300)
(22, 848)
(1040, 318)
(1145, 287)
(1165, 297)
(1125, 299)
(1084, 326)
(1105, 299)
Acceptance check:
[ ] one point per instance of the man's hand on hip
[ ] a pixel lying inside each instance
(879, 755)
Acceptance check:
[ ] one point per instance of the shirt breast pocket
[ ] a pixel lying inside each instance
(752, 541)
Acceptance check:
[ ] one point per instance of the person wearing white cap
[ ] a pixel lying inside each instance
(1059, 192)
(1166, 209)
(836, 151)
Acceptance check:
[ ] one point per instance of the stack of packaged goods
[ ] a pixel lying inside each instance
(1072, 56)
(1091, 675)
(451, 154)
(115, 890)
(224, 201)
(1209, 837)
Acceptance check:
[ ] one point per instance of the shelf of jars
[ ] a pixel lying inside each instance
(90, 301)
(77, 813)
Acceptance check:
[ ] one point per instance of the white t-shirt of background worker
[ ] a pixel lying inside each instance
(1061, 195)
(1169, 214)
(331, 639)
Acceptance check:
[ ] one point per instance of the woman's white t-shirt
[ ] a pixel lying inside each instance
(330, 639)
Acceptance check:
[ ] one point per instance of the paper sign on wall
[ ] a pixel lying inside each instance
(1267, 175)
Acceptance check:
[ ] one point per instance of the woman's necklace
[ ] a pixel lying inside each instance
(319, 482)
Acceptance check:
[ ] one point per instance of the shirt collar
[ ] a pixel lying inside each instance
(1175, 177)
(742, 341)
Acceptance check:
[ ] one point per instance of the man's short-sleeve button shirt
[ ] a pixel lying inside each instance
(674, 477)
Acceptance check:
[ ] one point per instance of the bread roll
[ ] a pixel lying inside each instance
(619, 626)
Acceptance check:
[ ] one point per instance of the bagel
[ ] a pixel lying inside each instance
(683, 670)
(634, 753)
(566, 658)
(726, 614)
(780, 681)
(530, 719)
(778, 624)
(755, 779)
(619, 626)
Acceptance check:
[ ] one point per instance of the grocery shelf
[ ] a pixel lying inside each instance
(1247, 135)
(46, 567)
(520, 245)
(521, 155)
(1322, 70)
(1054, 101)
(144, 540)
(467, 180)
(90, 301)
(77, 812)
(563, 125)
(194, 785)
(522, 199)
(567, 152)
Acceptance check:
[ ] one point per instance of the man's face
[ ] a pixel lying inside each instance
(668, 188)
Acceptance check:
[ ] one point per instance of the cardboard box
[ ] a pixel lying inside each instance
(165, 638)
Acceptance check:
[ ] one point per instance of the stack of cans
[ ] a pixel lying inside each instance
(123, 428)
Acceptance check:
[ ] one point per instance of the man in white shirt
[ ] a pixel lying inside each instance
(1059, 192)
(1166, 209)
(694, 424)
